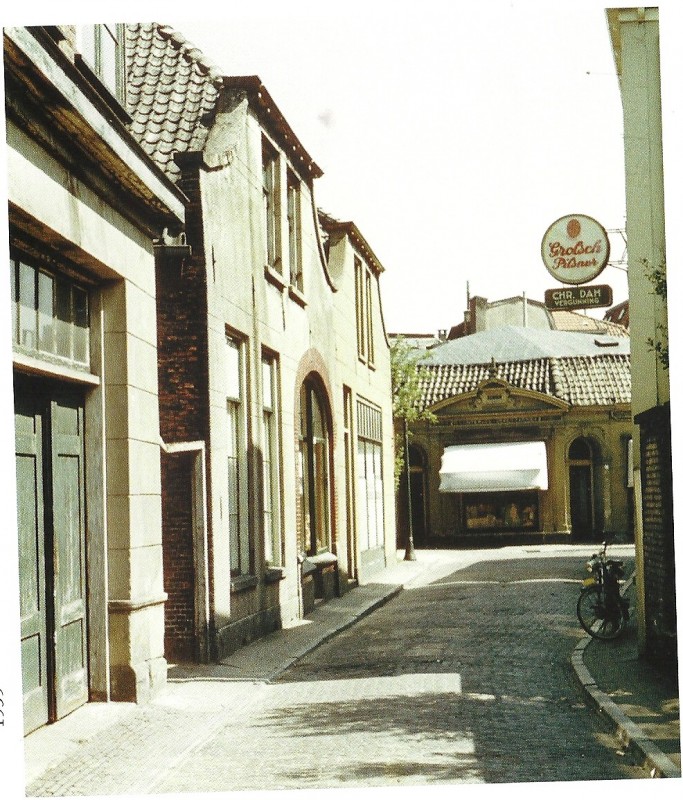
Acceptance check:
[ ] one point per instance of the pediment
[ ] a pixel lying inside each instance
(496, 396)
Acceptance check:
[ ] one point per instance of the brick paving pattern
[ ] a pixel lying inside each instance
(464, 680)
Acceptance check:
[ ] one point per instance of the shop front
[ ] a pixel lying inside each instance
(499, 484)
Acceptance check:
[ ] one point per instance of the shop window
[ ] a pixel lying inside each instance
(50, 315)
(514, 511)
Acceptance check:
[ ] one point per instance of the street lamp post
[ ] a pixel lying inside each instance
(410, 548)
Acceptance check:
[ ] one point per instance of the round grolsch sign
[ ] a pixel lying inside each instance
(575, 249)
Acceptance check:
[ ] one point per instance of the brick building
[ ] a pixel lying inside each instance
(273, 363)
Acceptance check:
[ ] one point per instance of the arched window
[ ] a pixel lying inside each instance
(314, 455)
(580, 450)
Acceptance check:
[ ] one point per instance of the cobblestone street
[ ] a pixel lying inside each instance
(463, 680)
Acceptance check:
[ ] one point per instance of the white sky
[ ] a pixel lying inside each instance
(452, 135)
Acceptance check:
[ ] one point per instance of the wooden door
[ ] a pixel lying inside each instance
(33, 595)
(68, 515)
(51, 525)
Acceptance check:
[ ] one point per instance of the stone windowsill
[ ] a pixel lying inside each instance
(273, 574)
(243, 582)
(297, 296)
(274, 277)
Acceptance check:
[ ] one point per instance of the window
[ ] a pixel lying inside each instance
(50, 315)
(370, 477)
(314, 491)
(294, 228)
(102, 48)
(271, 461)
(364, 322)
(349, 475)
(238, 494)
(271, 207)
(501, 511)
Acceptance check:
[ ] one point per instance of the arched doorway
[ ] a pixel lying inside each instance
(582, 489)
(315, 535)
(418, 471)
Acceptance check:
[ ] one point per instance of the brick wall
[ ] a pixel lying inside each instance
(658, 536)
(183, 407)
(182, 337)
(179, 633)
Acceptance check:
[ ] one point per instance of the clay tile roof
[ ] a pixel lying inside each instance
(581, 376)
(171, 90)
(440, 381)
(593, 380)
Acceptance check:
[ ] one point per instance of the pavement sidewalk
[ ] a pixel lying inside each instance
(636, 699)
(133, 747)
(124, 748)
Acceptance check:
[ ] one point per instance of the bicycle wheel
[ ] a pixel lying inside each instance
(595, 615)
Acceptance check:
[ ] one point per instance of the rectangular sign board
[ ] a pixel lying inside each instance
(570, 297)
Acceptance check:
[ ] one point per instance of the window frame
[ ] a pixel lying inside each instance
(63, 314)
(240, 537)
(294, 230)
(364, 313)
(272, 207)
(272, 451)
(315, 472)
(91, 41)
(370, 471)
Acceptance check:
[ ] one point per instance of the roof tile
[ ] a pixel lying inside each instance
(171, 88)
(601, 380)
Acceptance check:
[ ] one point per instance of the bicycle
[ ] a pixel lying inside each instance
(601, 609)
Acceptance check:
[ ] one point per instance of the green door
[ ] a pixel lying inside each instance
(71, 674)
(32, 590)
(51, 517)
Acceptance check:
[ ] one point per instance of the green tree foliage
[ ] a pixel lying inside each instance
(657, 277)
(405, 383)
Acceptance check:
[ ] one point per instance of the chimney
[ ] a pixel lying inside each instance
(478, 306)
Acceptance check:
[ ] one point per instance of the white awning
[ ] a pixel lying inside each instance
(494, 467)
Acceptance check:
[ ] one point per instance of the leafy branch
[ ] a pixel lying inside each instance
(657, 277)
(406, 392)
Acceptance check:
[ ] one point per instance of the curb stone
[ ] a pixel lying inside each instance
(658, 764)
